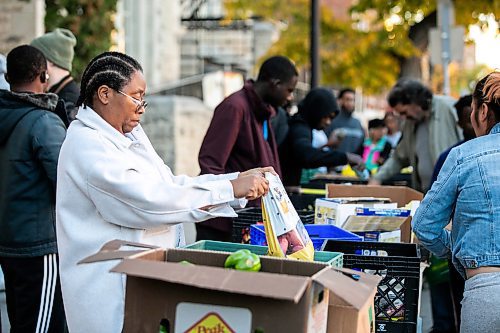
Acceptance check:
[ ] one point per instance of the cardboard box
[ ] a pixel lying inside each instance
(286, 296)
(400, 194)
(351, 308)
(336, 210)
(380, 228)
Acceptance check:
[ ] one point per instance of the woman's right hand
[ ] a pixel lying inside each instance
(250, 187)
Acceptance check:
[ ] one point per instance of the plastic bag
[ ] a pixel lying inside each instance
(285, 233)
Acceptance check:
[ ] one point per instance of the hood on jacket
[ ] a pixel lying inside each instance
(13, 106)
(317, 104)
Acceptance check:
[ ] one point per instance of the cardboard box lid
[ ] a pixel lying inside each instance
(112, 251)
(400, 194)
(355, 200)
(374, 223)
(277, 286)
(354, 291)
(149, 262)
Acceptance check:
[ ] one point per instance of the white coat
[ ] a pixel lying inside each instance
(111, 186)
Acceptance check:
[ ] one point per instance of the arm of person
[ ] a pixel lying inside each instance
(398, 160)
(127, 196)
(307, 155)
(436, 209)
(220, 139)
(48, 135)
(237, 203)
(185, 180)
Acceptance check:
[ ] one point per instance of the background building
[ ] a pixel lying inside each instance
(30, 13)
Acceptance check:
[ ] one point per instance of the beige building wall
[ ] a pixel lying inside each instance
(12, 32)
(150, 31)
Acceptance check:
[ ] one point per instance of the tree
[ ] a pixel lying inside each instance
(381, 40)
(417, 17)
(91, 21)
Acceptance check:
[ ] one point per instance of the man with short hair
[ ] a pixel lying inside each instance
(58, 47)
(430, 128)
(31, 135)
(240, 136)
(345, 126)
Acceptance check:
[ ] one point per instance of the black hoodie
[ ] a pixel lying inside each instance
(297, 151)
(31, 135)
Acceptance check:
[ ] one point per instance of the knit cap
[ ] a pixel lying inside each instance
(57, 46)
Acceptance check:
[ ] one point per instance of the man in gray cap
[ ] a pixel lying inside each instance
(57, 46)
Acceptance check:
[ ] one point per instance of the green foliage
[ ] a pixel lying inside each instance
(364, 50)
(349, 56)
(90, 20)
(462, 81)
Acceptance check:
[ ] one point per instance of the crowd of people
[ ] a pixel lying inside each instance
(84, 145)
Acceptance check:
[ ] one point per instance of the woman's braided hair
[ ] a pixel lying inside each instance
(113, 69)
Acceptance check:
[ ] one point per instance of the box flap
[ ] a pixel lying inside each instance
(353, 287)
(277, 286)
(400, 194)
(373, 223)
(356, 200)
(112, 250)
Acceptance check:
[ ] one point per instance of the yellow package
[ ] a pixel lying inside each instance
(285, 233)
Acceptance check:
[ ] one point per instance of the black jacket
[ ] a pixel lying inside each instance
(31, 135)
(297, 151)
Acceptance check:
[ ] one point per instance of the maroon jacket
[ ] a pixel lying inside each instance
(235, 140)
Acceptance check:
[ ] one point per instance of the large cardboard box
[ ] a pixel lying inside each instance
(351, 302)
(380, 228)
(336, 210)
(400, 194)
(285, 296)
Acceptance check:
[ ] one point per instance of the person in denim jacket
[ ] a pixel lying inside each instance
(468, 189)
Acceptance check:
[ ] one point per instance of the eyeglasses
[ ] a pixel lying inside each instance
(140, 104)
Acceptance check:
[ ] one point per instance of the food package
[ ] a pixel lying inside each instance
(285, 233)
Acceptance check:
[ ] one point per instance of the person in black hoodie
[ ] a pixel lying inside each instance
(31, 135)
(316, 111)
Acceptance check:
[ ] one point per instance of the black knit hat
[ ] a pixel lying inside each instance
(376, 123)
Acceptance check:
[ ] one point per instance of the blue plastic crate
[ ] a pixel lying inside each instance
(319, 233)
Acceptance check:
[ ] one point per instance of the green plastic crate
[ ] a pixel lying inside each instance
(334, 259)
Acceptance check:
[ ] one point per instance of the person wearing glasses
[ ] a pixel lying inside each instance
(113, 185)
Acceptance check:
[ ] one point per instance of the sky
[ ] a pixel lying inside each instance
(487, 44)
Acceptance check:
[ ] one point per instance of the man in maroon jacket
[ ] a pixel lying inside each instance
(240, 136)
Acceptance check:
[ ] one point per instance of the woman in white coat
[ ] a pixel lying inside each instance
(111, 184)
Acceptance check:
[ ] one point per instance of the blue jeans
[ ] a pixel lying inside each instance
(481, 304)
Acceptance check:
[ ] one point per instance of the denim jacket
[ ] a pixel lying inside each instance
(468, 187)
